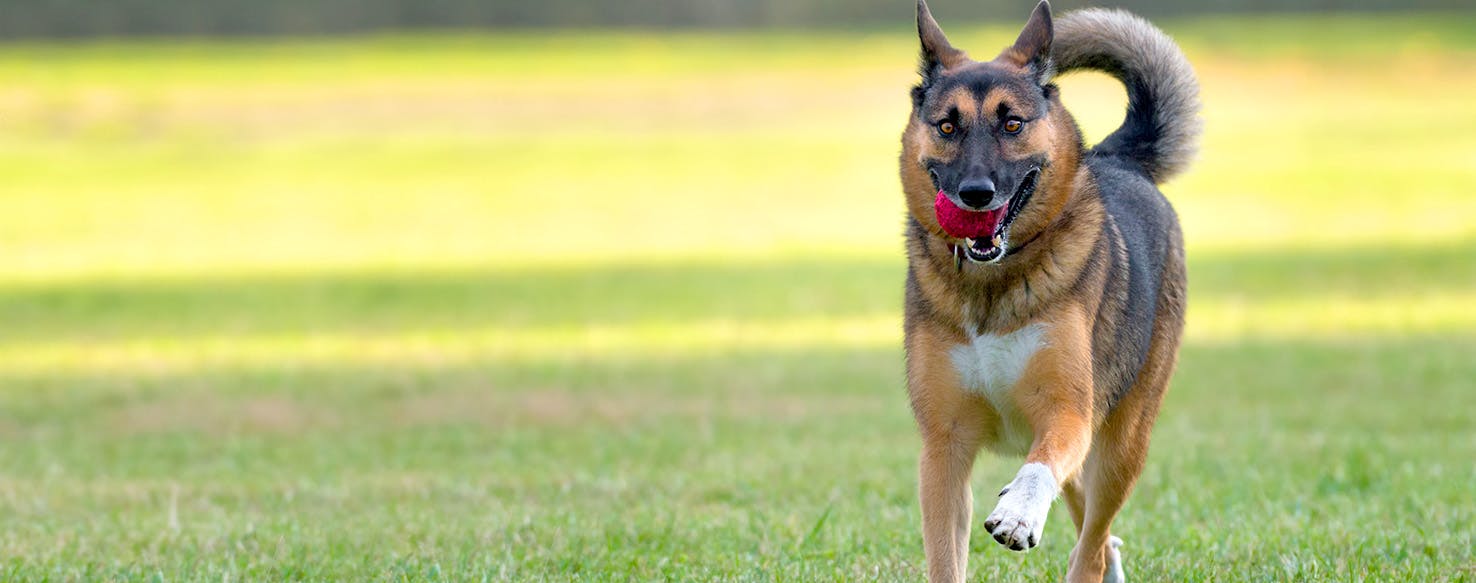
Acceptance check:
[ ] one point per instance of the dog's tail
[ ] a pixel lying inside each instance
(1161, 131)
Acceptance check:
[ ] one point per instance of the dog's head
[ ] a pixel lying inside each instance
(984, 138)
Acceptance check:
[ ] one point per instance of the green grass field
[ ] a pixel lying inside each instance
(621, 306)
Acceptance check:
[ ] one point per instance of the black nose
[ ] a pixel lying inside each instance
(976, 192)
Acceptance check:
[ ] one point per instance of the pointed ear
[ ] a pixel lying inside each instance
(1032, 50)
(936, 52)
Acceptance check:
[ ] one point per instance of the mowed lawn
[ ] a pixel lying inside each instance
(626, 306)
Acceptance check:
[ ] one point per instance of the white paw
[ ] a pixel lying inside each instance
(1019, 519)
(1114, 572)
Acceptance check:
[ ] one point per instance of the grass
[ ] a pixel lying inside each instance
(593, 306)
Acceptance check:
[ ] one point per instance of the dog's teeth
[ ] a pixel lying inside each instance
(969, 241)
(998, 241)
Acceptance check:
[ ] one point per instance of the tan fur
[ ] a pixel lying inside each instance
(1094, 452)
(953, 424)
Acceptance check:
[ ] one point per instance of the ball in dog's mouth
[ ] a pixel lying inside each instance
(982, 231)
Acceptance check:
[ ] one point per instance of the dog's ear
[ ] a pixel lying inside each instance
(1032, 50)
(937, 53)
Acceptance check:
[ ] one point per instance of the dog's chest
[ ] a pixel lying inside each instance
(990, 365)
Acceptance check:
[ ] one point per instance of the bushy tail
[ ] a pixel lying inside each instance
(1161, 131)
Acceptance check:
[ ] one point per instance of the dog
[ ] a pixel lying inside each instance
(1046, 284)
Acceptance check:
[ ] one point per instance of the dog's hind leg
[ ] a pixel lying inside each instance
(1114, 573)
(1075, 498)
(1108, 478)
(1120, 446)
(1075, 501)
(1119, 450)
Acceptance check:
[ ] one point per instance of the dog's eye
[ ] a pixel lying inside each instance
(946, 128)
(1013, 126)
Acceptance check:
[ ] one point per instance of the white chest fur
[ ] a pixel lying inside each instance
(991, 365)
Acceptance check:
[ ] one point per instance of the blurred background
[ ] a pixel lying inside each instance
(580, 290)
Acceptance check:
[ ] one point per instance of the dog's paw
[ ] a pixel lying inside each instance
(1013, 529)
(1114, 572)
(1019, 519)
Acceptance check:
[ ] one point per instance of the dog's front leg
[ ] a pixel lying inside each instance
(952, 424)
(947, 508)
(1055, 396)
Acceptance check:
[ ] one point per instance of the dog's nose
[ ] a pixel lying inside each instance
(977, 192)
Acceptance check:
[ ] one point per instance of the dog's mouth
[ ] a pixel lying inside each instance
(985, 234)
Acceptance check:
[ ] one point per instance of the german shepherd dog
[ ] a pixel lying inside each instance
(1045, 284)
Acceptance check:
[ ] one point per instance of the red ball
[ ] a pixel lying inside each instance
(967, 224)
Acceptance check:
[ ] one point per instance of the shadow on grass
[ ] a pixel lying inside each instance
(627, 293)
(1295, 384)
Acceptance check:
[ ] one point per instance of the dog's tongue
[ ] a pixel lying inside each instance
(961, 223)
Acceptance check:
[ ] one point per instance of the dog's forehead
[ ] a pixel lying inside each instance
(980, 88)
